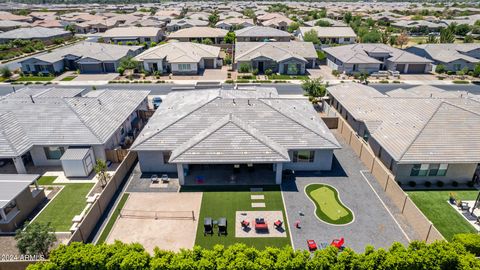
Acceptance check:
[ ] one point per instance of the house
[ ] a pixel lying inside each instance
(88, 57)
(234, 23)
(374, 57)
(10, 25)
(133, 34)
(180, 58)
(417, 135)
(176, 25)
(12, 17)
(34, 33)
(96, 26)
(333, 23)
(330, 34)
(49, 23)
(37, 127)
(420, 26)
(18, 200)
(274, 20)
(261, 33)
(217, 136)
(199, 34)
(453, 56)
(280, 57)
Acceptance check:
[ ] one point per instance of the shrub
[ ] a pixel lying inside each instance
(470, 241)
(396, 81)
(440, 184)
(384, 81)
(450, 72)
(455, 184)
(440, 68)
(412, 184)
(244, 68)
(428, 184)
(229, 81)
(229, 75)
(268, 72)
(460, 82)
(255, 72)
(243, 81)
(335, 73)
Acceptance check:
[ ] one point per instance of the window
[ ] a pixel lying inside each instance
(166, 157)
(433, 169)
(442, 170)
(184, 67)
(419, 170)
(347, 39)
(54, 152)
(303, 156)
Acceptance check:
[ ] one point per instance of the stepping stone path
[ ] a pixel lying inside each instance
(257, 198)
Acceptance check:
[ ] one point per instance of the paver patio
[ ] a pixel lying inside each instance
(373, 225)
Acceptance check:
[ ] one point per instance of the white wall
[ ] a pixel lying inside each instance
(322, 162)
(193, 68)
(152, 161)
(456, 172)
(40, 159)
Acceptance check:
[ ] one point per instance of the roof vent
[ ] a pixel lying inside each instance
(234, 103)
(31, 97)
(248, 102)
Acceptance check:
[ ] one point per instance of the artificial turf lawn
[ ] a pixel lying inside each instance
(435, 206)
(112, 219)
(69, 202)
(46, 180)
(328, 206)
(35, 78)
(224, 202)
(68, 78)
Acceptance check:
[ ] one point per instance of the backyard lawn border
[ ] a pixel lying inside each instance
(107, 229)
(339, 200)
(286, 219)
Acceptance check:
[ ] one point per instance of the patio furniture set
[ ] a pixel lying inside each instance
(338, 243)
(164, 178)
(260, 224)
(209, 225)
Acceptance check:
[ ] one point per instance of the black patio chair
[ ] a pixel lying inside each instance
(222, 226)
(207, 226)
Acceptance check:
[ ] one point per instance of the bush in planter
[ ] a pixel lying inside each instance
(455, 184)
(412, 184)
(439, 184)
(428, 184)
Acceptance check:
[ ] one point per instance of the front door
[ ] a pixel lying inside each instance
(154, 67)
(260, 67)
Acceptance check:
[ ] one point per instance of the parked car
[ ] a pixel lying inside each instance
(156, 102)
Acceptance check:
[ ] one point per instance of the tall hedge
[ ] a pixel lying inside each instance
(418, 255)
(470, 241)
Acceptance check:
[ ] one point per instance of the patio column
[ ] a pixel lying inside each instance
(2, 214)
(278, 173)
(18, 161)
(405, 70)
(181, 175)
(36, 184)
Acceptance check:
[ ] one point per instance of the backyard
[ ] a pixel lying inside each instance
(65, 205)
(220, 202)
(434, 204)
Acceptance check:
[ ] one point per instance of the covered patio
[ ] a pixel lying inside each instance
(230, 174)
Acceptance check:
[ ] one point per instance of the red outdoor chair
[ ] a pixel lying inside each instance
(245, 223)
(338, 243)
(312, 246)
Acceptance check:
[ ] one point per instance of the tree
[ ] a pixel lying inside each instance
(440, 68)
(35, 239)
(323, 23)
(101, 171)
(392, 40)
(468, 39)
(431, 39)
(370, 22)
(70, 27)
(446, 36)
(347, 17)
(402, 40)
(229, 38)
(311, 36)
(128, 63)
(244, 68)
(207, 41)
(476, 70)
(6, 73)
(462, 29)
(314, 89)
(371, 37)
(213, 18)
(293, 26)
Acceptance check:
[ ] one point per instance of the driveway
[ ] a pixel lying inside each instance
(95, 77)
(323, 72)
(373, 223)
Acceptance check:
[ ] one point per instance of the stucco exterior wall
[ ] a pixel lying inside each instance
(461, 173)
(322, 162)
(152, 161)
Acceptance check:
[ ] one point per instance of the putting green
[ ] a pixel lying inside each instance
(329, 208)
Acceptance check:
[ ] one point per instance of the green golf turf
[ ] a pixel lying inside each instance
(329, 208)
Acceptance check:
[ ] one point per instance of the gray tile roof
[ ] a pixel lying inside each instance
(11, 185)
(73, 153)
(32, 33)
(64, 121)
(199, 32)
(277, 51)
(236, 125)
(447, 52)
(175, 52)
(331, 31)
(53, 92)
(359, 54)
(416, 129)
(261, 31)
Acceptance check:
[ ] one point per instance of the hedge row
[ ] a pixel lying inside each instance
(418, 255)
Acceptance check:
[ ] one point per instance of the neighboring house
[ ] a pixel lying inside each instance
(12, 17)
(198, 133)
(18, 200)
(374, 57)
(198, 34)
(274, 20)
(34, 33)
(10, 25)
(175, 25)
(453, 56)
(88, 57)
(38, 127)
(96, 26)
(234, 23)
(419, 26)
(180, 58)
(333, 23)
(330, 35)
(50, 23)
(133, 34)
(261, 34)
(417, 135)
(280, 57)
(385, 16)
